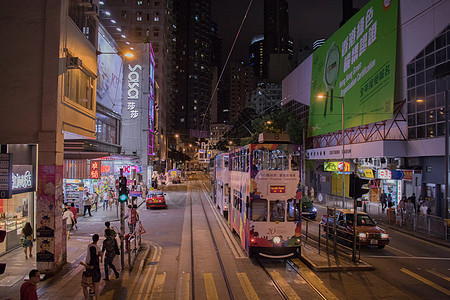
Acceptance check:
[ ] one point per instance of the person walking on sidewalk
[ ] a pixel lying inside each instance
(105, 199)
(111, 249)
(68, 216)
(111, 231)
(87, 204)
(28, 288)
(27, 239)
(383, 199)
(93, 259)
(73, 209)
(95, 200)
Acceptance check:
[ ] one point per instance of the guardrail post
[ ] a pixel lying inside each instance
(334, 231)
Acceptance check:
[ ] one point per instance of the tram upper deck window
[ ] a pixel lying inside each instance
(277, 160)
(259, 210)
(296, 161)
(277, 211)
(292, 210)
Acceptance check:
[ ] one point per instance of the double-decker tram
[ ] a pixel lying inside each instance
(222, 183)
(264, 199)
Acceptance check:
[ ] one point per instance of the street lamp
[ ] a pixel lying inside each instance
(321, 96)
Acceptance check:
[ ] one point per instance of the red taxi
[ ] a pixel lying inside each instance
(367, 230)
(155, 199)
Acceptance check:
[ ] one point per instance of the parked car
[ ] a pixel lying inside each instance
(367, 230)
(309, 211)
(156, 199)
(176, 179)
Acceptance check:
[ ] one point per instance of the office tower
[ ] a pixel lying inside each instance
(241, 84)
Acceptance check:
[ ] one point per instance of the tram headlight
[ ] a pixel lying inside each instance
(277, 240)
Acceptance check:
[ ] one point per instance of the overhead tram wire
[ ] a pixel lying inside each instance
(226, 62)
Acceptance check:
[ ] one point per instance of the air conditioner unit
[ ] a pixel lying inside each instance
(73, 62)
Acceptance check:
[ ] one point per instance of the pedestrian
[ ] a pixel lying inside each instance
(109, 230)
(105, 199)
(93, 259)
(132, 216)
(409, 209)
(28, 288)
(389, 201)
(27, 239)
(87, 204)
(383, 199)
(413, 200)
(68, 217)
(73, 209)
(111, 249)
(95, 198)
(424, 208)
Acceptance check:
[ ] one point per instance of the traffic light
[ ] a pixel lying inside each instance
(123, 190)
(2, 238)
(357, 186)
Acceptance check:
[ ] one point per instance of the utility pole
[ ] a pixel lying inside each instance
(122, 227)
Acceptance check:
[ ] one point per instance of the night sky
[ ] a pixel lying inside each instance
(309, 21)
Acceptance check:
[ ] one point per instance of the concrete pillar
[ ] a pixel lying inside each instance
(51, 240)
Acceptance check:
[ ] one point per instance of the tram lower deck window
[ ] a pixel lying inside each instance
(259, 210)
(277, 211)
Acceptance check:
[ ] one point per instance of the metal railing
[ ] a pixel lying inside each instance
(433, 226)
(134, 243)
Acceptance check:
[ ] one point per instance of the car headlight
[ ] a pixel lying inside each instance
(384, 236)
(362, 235)
(277, 240)
(314, 209)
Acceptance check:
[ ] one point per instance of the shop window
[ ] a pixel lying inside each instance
(277, 211)
(420, 132)
(419, 65)
(431, 130)
(440, 129)
(431, 102)
(411, 120)
(431, 116)
(412, 133)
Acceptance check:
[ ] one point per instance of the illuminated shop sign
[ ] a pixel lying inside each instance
(133, 89)
(384, 174)
(336, 166)
(23, 179)
(96, 167)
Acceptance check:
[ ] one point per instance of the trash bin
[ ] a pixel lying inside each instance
(390, 215)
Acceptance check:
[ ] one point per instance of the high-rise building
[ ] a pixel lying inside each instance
(265, 97)
(276, 36)
(256, 56)
(192, 78)
(133, 24)
(241, 84)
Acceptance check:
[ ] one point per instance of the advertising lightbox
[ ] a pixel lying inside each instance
(357, 63)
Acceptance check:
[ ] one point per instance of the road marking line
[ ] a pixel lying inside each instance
(313, 280)
(152, 277)
(290, 293)
(439, 274)
(158, 286)
(249, 292)
(184, 286)
(426, 281)
(408, 257)
(153, 259)
(398, 250)
(210, 287)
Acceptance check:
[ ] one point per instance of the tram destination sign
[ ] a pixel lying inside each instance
(5, 175)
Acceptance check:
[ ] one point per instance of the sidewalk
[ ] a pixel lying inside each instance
(67, 283)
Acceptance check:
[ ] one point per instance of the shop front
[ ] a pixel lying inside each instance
(19, 209)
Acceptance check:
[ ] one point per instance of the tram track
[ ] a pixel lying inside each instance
(216, 248)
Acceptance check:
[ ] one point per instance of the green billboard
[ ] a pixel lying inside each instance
(356, 65)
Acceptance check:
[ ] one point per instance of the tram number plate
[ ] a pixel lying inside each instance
(374, 242)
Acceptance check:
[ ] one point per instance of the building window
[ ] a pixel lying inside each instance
(139, 16)
(156, 16)
(79, 87)
(139, 2)
(124, 14)
(138, 32)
